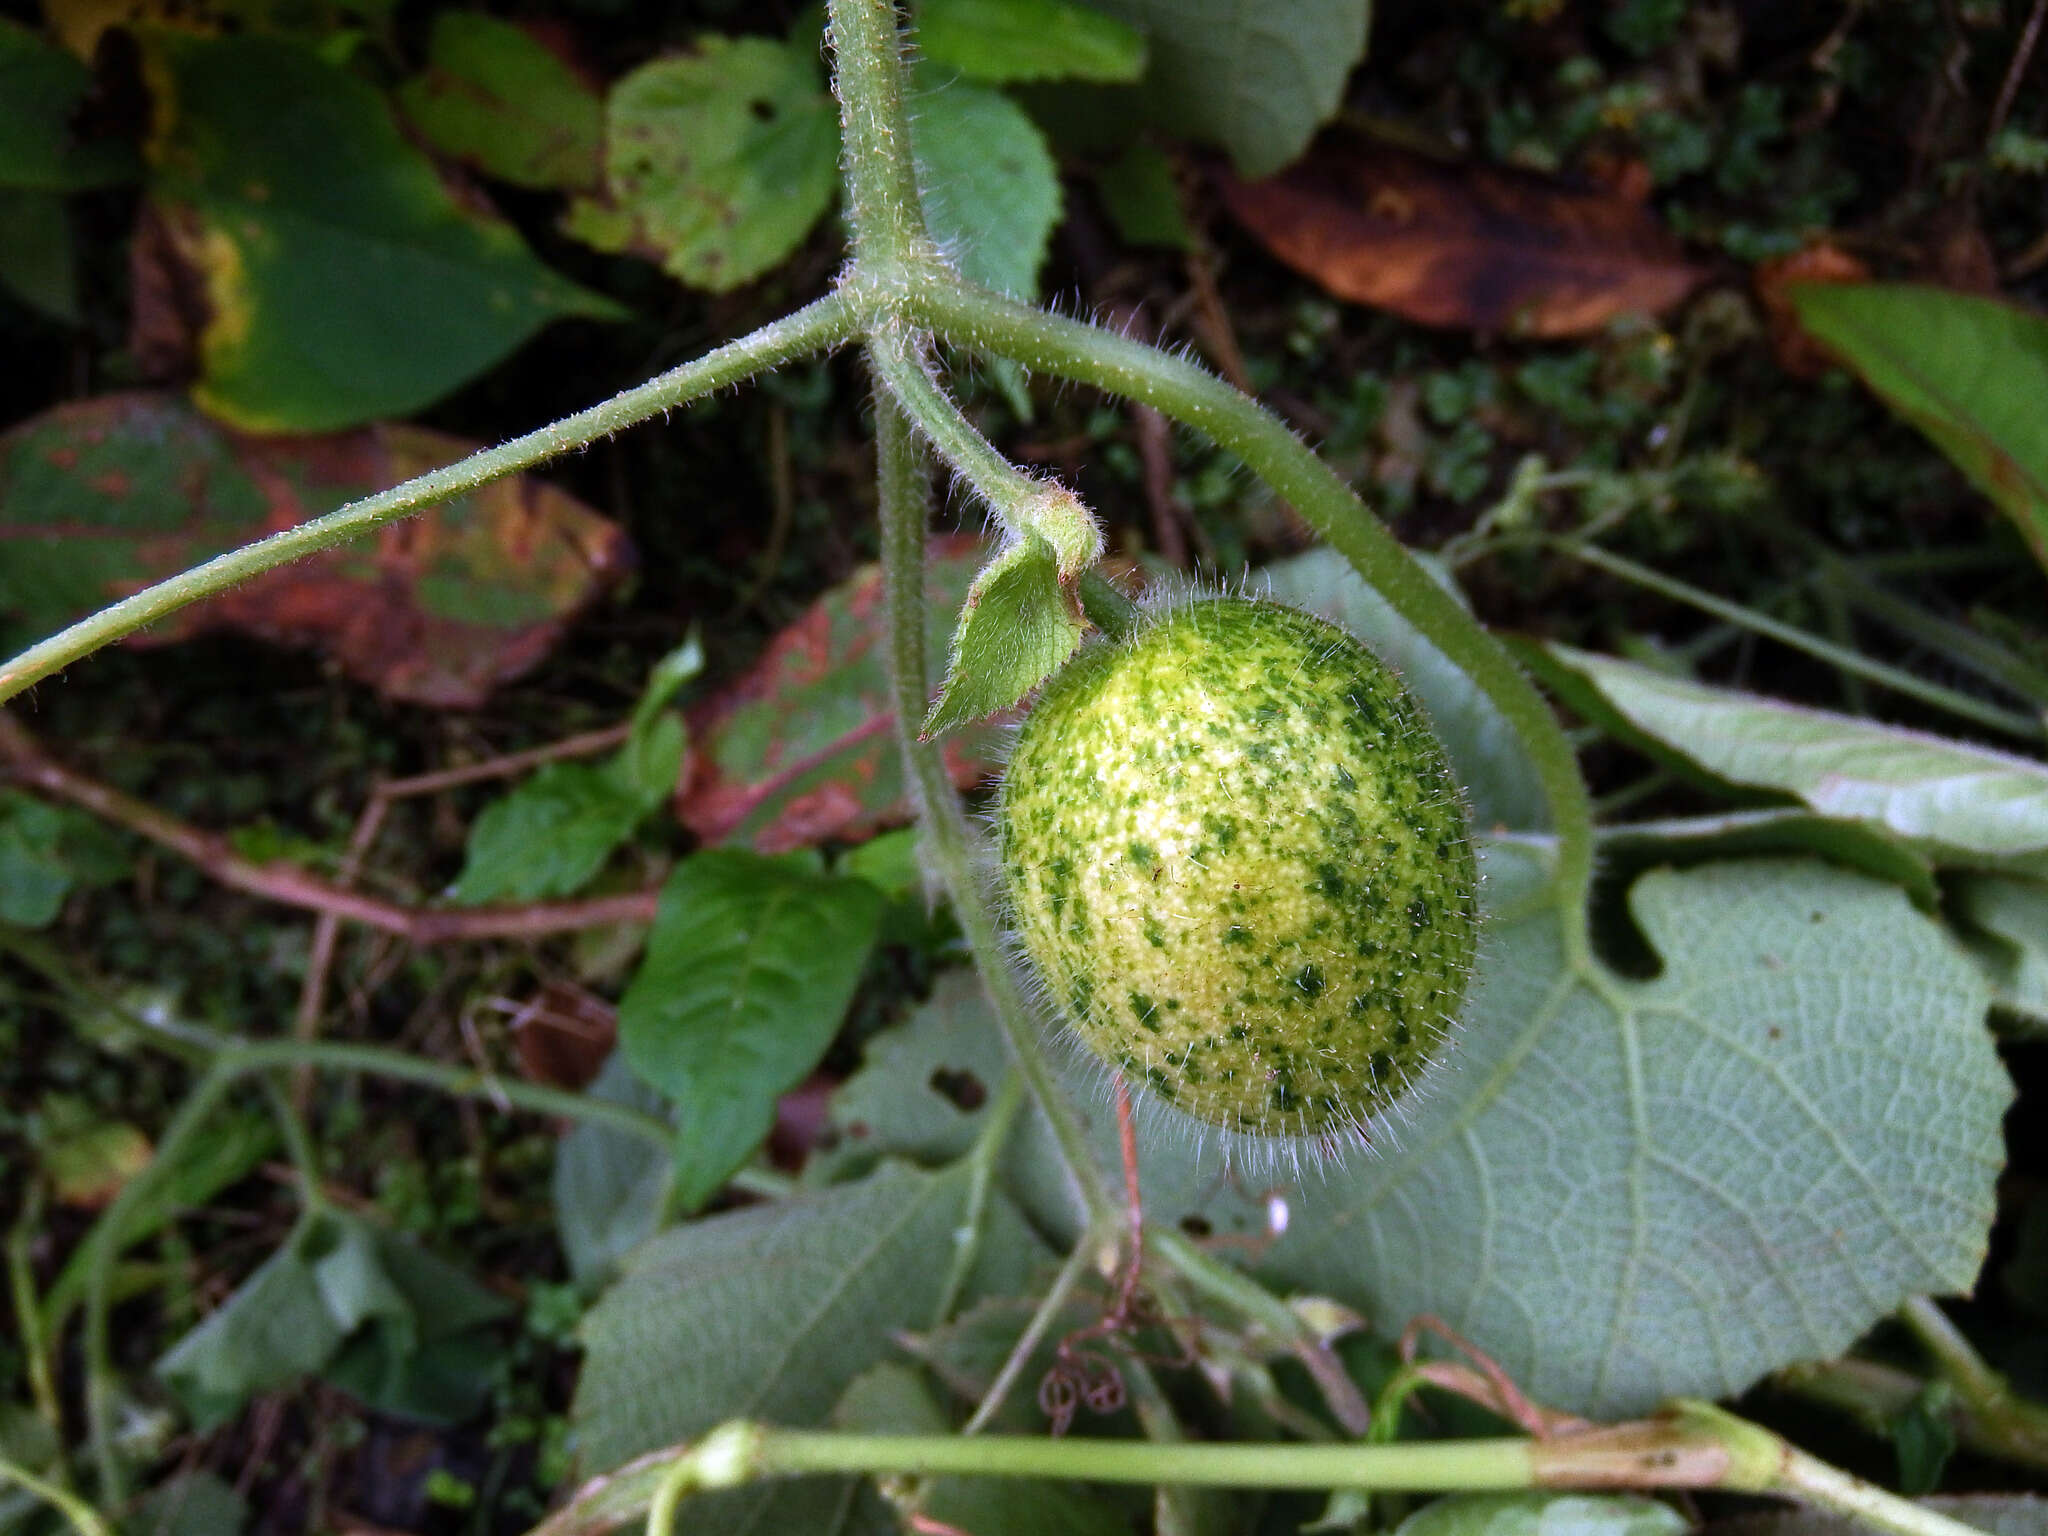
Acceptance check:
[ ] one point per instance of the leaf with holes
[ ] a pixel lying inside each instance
(717, 163)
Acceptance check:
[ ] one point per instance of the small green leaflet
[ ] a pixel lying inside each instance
(1018, 625)
(749, 969)
(1544, 1514)
(552, 834)
(46, 852)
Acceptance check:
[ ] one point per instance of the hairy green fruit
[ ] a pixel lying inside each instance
(1235, 852)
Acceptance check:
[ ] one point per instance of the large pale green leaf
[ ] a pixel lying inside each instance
(342, 280)
(493, 96)
(1254, 77)
(1961, 803)
(749, 968)
(769, 1313)
(1544, 1514)
(1633, 1190)
(990, 190)
(1484, 750)
(717, 163)
(1009, 40)
(1970, 372)
(2001, 1514)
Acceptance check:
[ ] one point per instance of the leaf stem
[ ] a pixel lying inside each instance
(234, 1060)
(949, 843)
(1934, 695)
(987, 323)
(84, 1519)
(1026, 504)
(1078, 1263)
(817, 327)
(981, 1172)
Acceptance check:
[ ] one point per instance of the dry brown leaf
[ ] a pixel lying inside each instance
(1471, 246)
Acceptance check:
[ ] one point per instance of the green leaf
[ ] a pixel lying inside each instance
(749, 969)
(343, 1297)
(1017, 627)
(1003, 41)
(921, 1086)
(38, 264)
(342, 280)
(43, 87)
(1631, 1190)
(1544, 1514)
(769, 1313)
(716, 164)
(1959, 803)
(1969, 372)
(1142, 196)
(190, 1504)
(2005, 923)
(1924, 1437)
(494, 97)
(990, 190)
(1485, 752)
(610, 1189)
(555, 831)
(1256, 78)
(653, 755)
(46, 852)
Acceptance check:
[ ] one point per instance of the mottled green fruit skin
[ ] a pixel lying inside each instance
(1234, 851)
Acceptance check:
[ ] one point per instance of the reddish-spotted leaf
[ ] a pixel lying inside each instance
(103, 497)
(799, 748)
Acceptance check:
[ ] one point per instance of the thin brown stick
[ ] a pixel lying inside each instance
(2016, 71)
(327, 930)
(26, 763)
